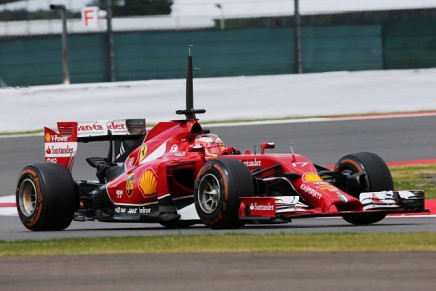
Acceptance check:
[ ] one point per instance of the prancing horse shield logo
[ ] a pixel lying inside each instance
(129, 185)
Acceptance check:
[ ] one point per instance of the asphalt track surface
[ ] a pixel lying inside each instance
(223, 271)
(394, 139)
(12, 229)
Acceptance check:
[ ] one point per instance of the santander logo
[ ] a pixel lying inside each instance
(255, 206)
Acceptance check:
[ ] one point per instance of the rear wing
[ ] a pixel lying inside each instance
(61, 146)
(122, 129)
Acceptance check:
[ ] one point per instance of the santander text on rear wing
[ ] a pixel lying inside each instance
(112, 129)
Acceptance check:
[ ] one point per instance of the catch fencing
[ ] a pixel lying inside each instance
(231, 38)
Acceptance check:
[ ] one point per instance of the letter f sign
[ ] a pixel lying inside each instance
(90, 17)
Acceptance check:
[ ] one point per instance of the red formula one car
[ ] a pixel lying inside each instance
(179, 174)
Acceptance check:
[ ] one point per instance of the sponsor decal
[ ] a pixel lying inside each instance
(119, 193)
(120, 210)
(131, 161)
(47, 137)
(96, 126)
(329, 187)
(324, 186)
(343, 198)
(54, 150)
(133, 210)
(142, 152)
(174, 148)
(143, 210)
(260, 207)
(116, 126)
(301, 164)
(311, 191)
(375, 199)
(254, 163)
(55, 138)
(129, 184)
(312, 177)
(148, 182)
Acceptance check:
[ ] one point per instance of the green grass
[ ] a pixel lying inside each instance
(21, 132)
(285, 118)
(223, 243)
(415, 177)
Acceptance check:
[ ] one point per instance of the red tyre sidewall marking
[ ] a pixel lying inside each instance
(356, 165)
(32, 174)
(226, 188)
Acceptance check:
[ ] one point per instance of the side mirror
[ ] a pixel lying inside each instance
(196, 148)
(266, 145)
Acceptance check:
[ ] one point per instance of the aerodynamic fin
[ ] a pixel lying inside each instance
(190, 112)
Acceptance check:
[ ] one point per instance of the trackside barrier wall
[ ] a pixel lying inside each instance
(409, 45)
(143, 55)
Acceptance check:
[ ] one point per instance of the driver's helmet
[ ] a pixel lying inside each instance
(212, 144)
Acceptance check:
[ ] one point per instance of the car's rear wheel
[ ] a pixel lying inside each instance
(218, 187)
(368, 173)
(46, 197)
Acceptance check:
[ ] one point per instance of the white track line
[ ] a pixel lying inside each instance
(6, 210)
(12, 211)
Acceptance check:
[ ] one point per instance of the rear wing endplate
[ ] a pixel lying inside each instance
(61, 146)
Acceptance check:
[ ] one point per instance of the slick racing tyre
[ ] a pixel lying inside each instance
(218, 187)
(46, 197)
(369, 173)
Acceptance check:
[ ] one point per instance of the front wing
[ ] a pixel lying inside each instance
(287, 207)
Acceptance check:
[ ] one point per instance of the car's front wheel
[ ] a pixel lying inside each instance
(365, 172)
(218, 187)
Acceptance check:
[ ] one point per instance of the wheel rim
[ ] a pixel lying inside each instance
(209, 193)
(27, 197)
(347, 172)
(361, 185)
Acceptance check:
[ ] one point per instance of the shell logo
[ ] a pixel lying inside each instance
(47, 137)
(148, 182)
(312, 177)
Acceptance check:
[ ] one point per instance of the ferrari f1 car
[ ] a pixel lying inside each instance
(179, 174)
